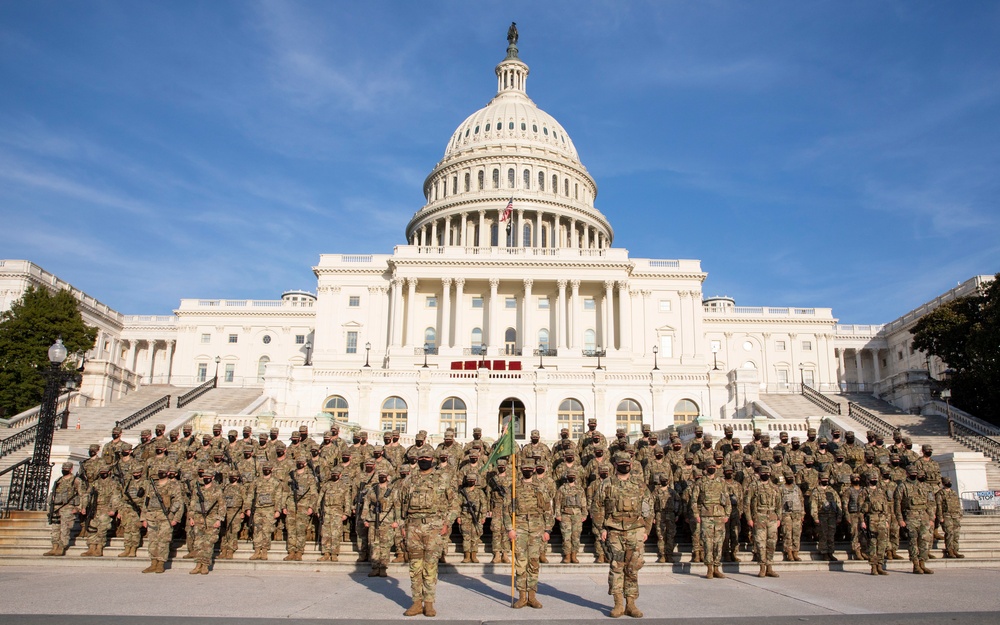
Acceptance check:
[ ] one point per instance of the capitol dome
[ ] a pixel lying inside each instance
(510, 152)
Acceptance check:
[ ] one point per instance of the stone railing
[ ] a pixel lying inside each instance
(977, 442)
(196, 392)
(869, 420)
(820, 400)
(30, 415)
(143, 413)
(960, 417)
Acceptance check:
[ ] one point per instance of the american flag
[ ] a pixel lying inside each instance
(507, 211)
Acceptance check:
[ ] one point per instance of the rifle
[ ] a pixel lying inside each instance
(163, 507)
(377, 509)
(53, 511)
(497, 486)
(201, 504)
(468, 505)
(295, 488)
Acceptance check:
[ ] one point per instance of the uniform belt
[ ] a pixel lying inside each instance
(423, 518)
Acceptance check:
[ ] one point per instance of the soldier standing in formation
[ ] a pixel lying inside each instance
(627, 510)
(65, 502)
(205, 516)
(571, 512)
(161, 512)
(949, 512)
(528, 520)
(263, 509)
(712, 506)
(380, 517)
(473, 505)
(763, 510)
(335, 501)
(914, 501)
(876, 511)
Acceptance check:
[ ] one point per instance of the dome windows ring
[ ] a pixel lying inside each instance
(487, 127)
(534, 128)
(524, 126)
(476, 131)
(545, 131)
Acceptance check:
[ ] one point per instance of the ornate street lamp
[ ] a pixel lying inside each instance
(541, 353)
(715, 357)
(309, 347)
(218, 359)
(600, 352)
(656, 350)
(946, 396)
(482, 353)
(427, 346)
(802, 377)
(368, 349)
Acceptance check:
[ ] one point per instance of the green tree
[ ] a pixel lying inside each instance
(27, 330)
(965, 334)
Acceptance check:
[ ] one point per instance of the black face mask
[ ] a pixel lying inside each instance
(67, 471)
(526, 474)
(382, 479)
(564, 436)
(300, 465)
(356, 441)
(789, 480)
(345, 458)
(425, 463)
(571, 479)
(710, 471)
(623, 469)
(824, 483)
(335, 477)
(534, 440)
(501, 469)
(267, 472)
(206, 481)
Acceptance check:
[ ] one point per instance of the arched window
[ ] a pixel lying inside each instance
(527, 179)
(510, 178)
(477, 341)
(482, 179)
(261, 366)
(496, 178)
(526, 239)
(629, 416)
(749, 365)
(494, 232)
(545, 236)
(571, 416)
(543, 340)
(590, 341)
(510, 340)
(336, 406)
(467, 181)
(394, 415)
(555, 183)
(453, 415)
(541, 181)
(685, 411)
(430, 338)
(566, 187)
(576, 191)
(454, 185)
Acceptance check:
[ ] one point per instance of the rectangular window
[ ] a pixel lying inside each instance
(807, 346)
(510, 302)
(899, 355)
(543, 303)
(664, 305)
(202, 371)
(206, 338)
(807, 378)
(783, 378)
(666, 347)
(779, 346)
(352, 342)
(432, 301)
(234, 338)
(912, 350)
(300, 339)
(588, 303)
(477, 302)
(230, 371)
(354, 301)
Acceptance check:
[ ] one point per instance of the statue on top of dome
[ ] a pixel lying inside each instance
(512, 34)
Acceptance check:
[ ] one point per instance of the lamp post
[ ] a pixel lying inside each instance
(38, 472)
(600, 352)
(427, 346)
(309, 347)
(715, 357)
(656, 350)
(541, 353)
(482, 356)
(215, 380)
(802, 377)
(368, 349)
(946, 396)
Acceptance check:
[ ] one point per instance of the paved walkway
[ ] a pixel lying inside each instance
(85, 596)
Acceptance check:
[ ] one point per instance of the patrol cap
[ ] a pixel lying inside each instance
(697, 430)
(203, 472)
(449, 434)
(646, 427)
(822, 439)
(765, 437)
(279, 446)
(926, 447)
(571, 473)
(67, 465)
(304, 429)
(911, 469)
(443, 454)
(849, 433)
(710, 464)
(470, 476)
(217, 426)
(591, 421)
(736, 440)
(907, 440)
(728, 429)
(95, 447)
(296, 436)
(162, 472)
(535, 433)
(765, 468)
(795, 439)
(125, 446)
(945, 481)
(137, 469)
(370, 461)
(662, 478)
(364, 436)
(187, 428)
(839, 455)
(782, 435)
(174, 432)
(383, 473)
(426, 454)
(811, 431)
(207, 438)
(146, 433)
(247, 428)
(823, 475)
(708, 438)
(687, 456)
(334, 429)
(564, 431)
(337, 470)
(104, 469)
(268, 466)
(232, 433)
(274, 430)
(160, 426)
(218, 453)
(836, 431)
(328, 436)
(421, 435)
(477, 430)
(395, 433)
(161, 446)
(621, 457)
(502, 461)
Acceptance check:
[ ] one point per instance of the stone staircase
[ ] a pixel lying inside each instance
(24, 536)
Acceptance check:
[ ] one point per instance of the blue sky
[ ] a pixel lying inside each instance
(831, 154)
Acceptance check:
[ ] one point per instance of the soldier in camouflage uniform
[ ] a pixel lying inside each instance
(429, 509)
(793, 510)
(949, 513)
(499, 483)
(66, 500)
(826, 510)
(912, 505)
(130, 510)
(712, 508)
(264, 502)
(162, 510)
(300, 501)
(234, 494)
(596, 514)
(731, 546)
(108, 494)
(687, 477)
(206, 512)
(571, 511)
(763, 517)
(336, 498)
(473, 505)
(851, 500)
(666, 507)
(627, 509)
(876, 512)
(528, 520)
(380, 516)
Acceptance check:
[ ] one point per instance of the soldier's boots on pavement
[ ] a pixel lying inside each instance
(953, 553)
(496, 558)
(468, 557)
(600, 559)
(416, 609)
(522, 600)
(325, 557)
(710, 573)
(619, 609)
(429, 609)
(542, 558)
(201, 569)
(51, 552)
(716, 572)
(156, 566)
(400, 557)
(923, 567)
(532, 601)
(505, 558)
(631, 609)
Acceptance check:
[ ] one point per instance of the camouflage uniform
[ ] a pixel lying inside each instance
(429, 509)
(731, 546)
(876, 512)
(206, 512)
(336, 497)
(300, 503)
(793, 510)
(130, 511)
(597, 514)
(913, 502)
(666, 506)
(851, 500)
(67, 498)
(627, 509)
(380, 514)
(763, 509)
(162, 510)
(531, 520)
(571, 512)
(234, 493)
(499, 484)
(826, 510)
(949, 511)
(711, 507)
(108, 494)
(264, 499)
(473, 503)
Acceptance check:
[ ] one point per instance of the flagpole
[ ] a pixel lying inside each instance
(513, 513)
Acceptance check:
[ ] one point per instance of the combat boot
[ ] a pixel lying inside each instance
(698, 556)
(442, 559)
(717, 571)
(880, 569)
(763, 570)
(61, 551)
(159, 566)
(474, 556)
(99, 551)
(566, 559)
(373, 572)
(532, 601)
(660, 559)
(383, 571)
(600, 559)
(334, 557)
(151, 568)
(894, 556)
(468, 558)
(398, 558)
(770, 571)
(522, 600)
(931, 556)
(923, 567)
(574, 559)
(196, 570)
(298, 556)
(429, 609)
(415, 609)
(736, 556)
(619, 608)
(831, 558)
(542, 558)
(916, 567)
(874, 569)
(51, 552)
(124, 553)
(188, 556)
(204, 569)
(669, 558)
(289, 557)
(324, 558)
(796, 556)
(710, 571)
(954, 554)
(631, 609)
(496, 557)
(263, 554)
(89, 553)
(256, 554)
(505, 558)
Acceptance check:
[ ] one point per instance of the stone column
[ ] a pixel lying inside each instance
(537, 234)
(561, 314)
(494, 322)
(572, 233)
(445, 339)
(434, 233)
(519, 229)
(149, 360)
(171, 346)
(464, 231)
(527, 340)
(625, 316)
(130, 359)
(876, 365)
(573, 325)
(857, 363)
(420, 236)
(841, 367)
(609, 321)
(457, 335)
(396, 305)
(484, 236)
(411, 310)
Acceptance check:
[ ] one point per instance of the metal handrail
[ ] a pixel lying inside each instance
(197, 392)
(17, 440)
(144, 413)
(974, 440)
(16, 492)
(820, 399)
(870, 420)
